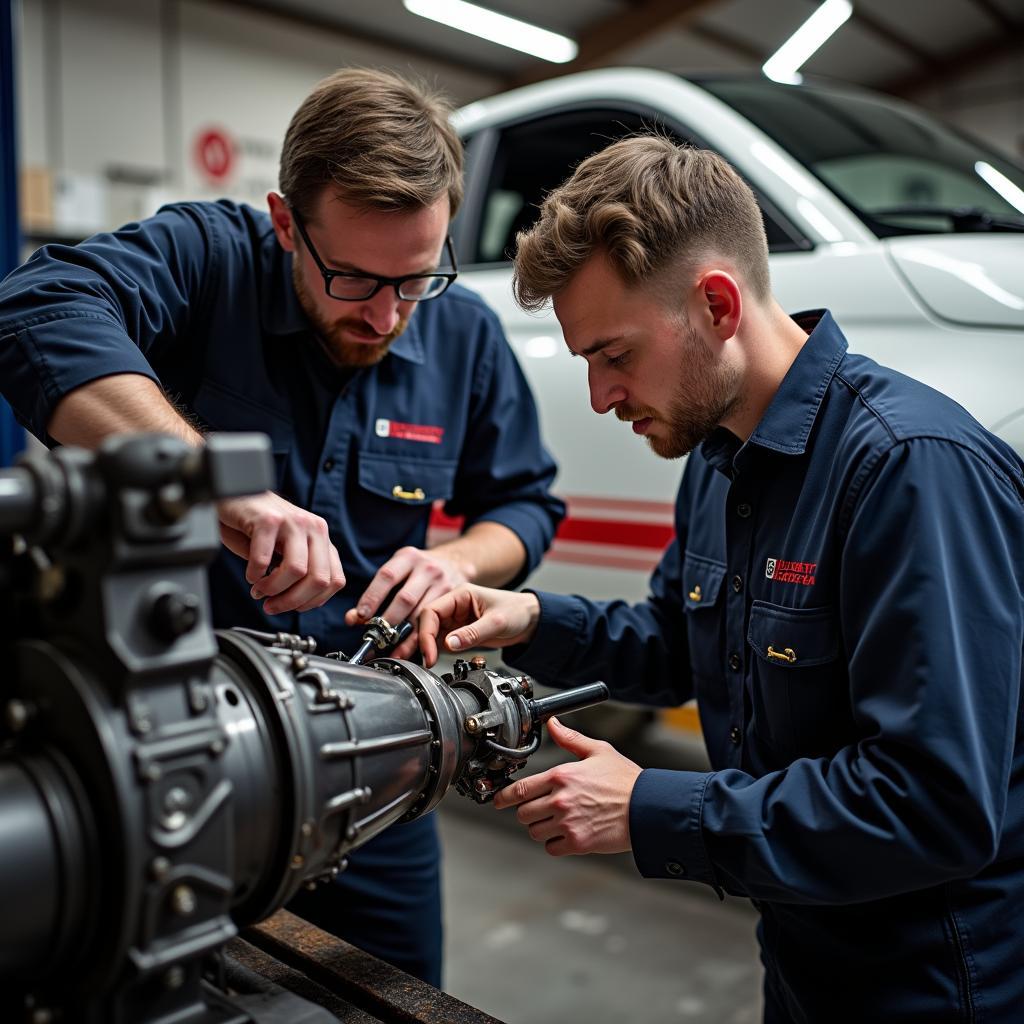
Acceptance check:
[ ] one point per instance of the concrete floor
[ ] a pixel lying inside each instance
(534, 939)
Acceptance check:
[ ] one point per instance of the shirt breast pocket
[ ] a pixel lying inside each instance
(702, 589)
(396, 493)
(800, 688)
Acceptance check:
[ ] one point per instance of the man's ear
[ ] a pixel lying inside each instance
(281, 218)
(721, 303)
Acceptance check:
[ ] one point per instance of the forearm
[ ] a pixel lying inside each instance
(118, 404)
(487, 553)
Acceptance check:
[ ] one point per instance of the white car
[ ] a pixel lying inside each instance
(911, 234)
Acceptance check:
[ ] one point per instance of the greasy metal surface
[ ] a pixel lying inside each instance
(386, 993)
(272, 970)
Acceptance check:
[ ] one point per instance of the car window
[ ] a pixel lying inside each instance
(536, 156)
(900, 170)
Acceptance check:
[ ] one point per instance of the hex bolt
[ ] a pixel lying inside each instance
(17, 714)
(175, 977)
(298, 861)
(173, 614)
(176, 799)
(159, 868)
(472, 724)
(183, 900)
(482, 786)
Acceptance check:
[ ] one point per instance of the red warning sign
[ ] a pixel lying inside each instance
(215, 153)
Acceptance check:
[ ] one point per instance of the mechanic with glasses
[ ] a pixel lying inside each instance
(331, 325)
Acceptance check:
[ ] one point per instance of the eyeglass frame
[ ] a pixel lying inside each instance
(381, 282)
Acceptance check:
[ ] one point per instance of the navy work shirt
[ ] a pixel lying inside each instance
(845, 599)
(200, 298)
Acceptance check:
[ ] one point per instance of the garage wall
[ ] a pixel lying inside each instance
(114, 95)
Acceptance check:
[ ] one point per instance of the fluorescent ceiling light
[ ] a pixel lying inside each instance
(784, 65)
(478, 21)
(1001, 184)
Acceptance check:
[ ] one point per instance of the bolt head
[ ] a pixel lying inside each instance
(17, 714)
(183, 900)
(159, 868)
(175, 977)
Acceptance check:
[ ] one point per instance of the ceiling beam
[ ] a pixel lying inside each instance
(599, 43)
(969, 58)
(728, 42)
(924, 58)
(998, 15)
(268, 9)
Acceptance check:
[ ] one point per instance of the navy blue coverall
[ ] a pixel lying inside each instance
(845, 600)
(200, 299)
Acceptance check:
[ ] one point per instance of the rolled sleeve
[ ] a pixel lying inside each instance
(71, 315)
(42, 364)
(532, 522)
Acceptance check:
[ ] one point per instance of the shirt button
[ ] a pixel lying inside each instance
(675, 868)
(743, 510)
(735, 662)
(737, 583)
(328, 465)
(735, 735)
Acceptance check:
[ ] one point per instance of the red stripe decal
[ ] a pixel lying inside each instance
(622, 532)
(665, 508)
(628, 533)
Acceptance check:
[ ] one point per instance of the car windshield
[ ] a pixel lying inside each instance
(901, 171)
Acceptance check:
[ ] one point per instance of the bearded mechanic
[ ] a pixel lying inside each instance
(329, 325)
(844, 598)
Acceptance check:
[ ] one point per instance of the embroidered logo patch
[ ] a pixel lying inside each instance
(782, 571)
(409, 431)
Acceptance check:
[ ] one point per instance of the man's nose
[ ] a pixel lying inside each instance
(604, 394)
(383, 311)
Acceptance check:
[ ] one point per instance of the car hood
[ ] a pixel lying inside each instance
(967, 279)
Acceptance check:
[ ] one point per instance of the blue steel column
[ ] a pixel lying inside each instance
(12, 437)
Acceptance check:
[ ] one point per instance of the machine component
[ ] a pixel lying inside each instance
(163, 785)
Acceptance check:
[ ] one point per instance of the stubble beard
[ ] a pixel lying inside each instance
(330, 333)
(705, 395)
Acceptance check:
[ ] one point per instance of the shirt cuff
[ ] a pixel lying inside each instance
(550, 651)
(665, 826)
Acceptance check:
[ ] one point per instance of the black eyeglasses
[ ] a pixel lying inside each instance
(351, 286)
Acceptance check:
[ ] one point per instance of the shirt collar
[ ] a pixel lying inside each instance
(787, 422)
(282, 313)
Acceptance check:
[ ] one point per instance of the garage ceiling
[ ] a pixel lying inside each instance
(897, 46)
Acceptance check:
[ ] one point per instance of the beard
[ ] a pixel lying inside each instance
(705, 395)
(331, 333)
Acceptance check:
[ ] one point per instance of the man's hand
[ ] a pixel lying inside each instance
(581, 807)
(256, 526)
(416, 577)
(475, 616)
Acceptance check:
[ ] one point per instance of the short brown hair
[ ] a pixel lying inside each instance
(647, 203)
(379, 140)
